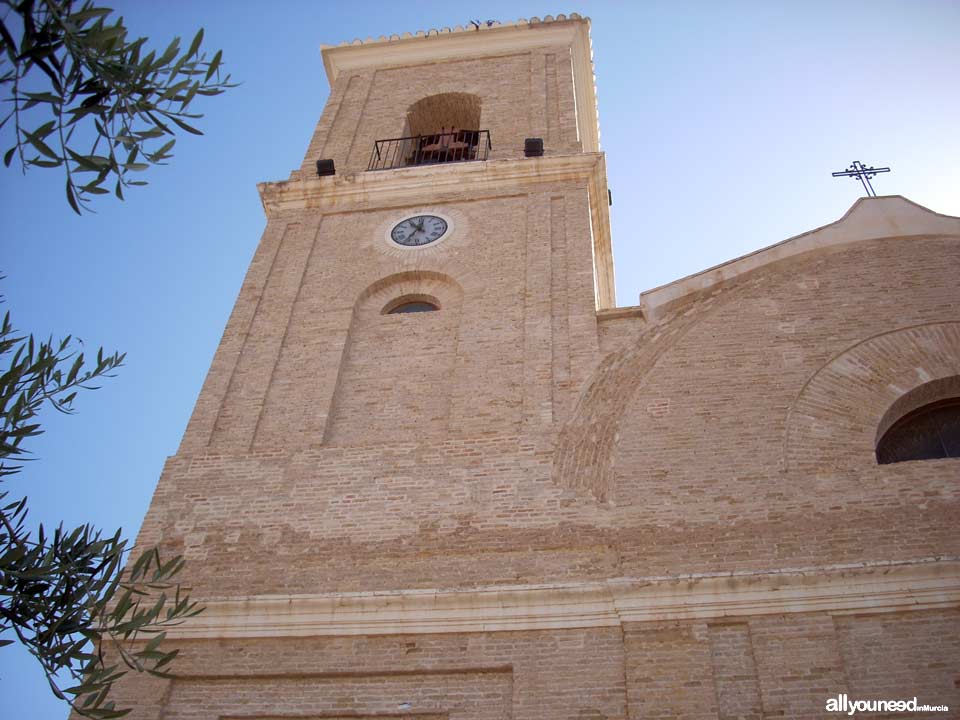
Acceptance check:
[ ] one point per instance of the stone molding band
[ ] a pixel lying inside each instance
(840, 589)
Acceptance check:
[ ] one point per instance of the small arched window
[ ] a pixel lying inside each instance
(413, 303)
(413, 307)
(926, 433)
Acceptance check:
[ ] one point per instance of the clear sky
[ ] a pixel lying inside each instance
(721, 122)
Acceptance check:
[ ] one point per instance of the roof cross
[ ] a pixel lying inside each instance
(863, 174)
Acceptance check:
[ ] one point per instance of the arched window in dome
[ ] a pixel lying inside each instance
(929, 432)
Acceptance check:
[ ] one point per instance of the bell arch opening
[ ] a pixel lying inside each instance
(444, 128)
(442, 113)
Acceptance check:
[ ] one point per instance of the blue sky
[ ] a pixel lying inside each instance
(721, 122)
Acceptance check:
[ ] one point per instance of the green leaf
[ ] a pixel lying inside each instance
(155, 642)
(45, 129)
(147, 63)
(99, 161)
(79, 113)
(195, 45)
(8, 156)
(84, 161)
(171, 92)
(41, 146)
(82, 16)
(105, 38)
(164, 149)
(214, 64)
(191, 93)
(46, 97)
(151, 133)
(169, 54)
(184, 126)
(71, 198)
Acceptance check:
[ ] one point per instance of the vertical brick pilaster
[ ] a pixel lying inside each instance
(798, 662)
(735, 672)
(669, 671)
(537, 328)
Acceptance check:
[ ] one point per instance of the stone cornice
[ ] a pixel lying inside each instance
(443, 182)
(418, 184)
(882, 587)
(438, 47)
(573, 32)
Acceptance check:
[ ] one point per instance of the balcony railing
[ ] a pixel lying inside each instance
(444, 147)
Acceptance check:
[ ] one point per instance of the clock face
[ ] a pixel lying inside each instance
(418, 230)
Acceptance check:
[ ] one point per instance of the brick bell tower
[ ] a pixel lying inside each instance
(418, 186)
(381, 413)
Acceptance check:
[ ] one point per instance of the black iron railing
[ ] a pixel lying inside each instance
(444, 147)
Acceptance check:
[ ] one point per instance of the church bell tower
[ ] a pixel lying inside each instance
(433, 269)
(414, 328)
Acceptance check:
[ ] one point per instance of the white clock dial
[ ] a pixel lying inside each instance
(418, 230)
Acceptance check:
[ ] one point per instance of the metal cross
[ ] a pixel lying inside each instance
(863, 174)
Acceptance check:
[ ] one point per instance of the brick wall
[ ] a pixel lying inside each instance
(473, 676)
(761, 667)
(469, 508)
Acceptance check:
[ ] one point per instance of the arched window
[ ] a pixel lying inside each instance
(413, 307)
(926, 433)
(415, 303)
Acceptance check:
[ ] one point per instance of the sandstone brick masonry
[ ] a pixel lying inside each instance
(526, 435)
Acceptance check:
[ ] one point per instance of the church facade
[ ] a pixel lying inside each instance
(435, 473)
